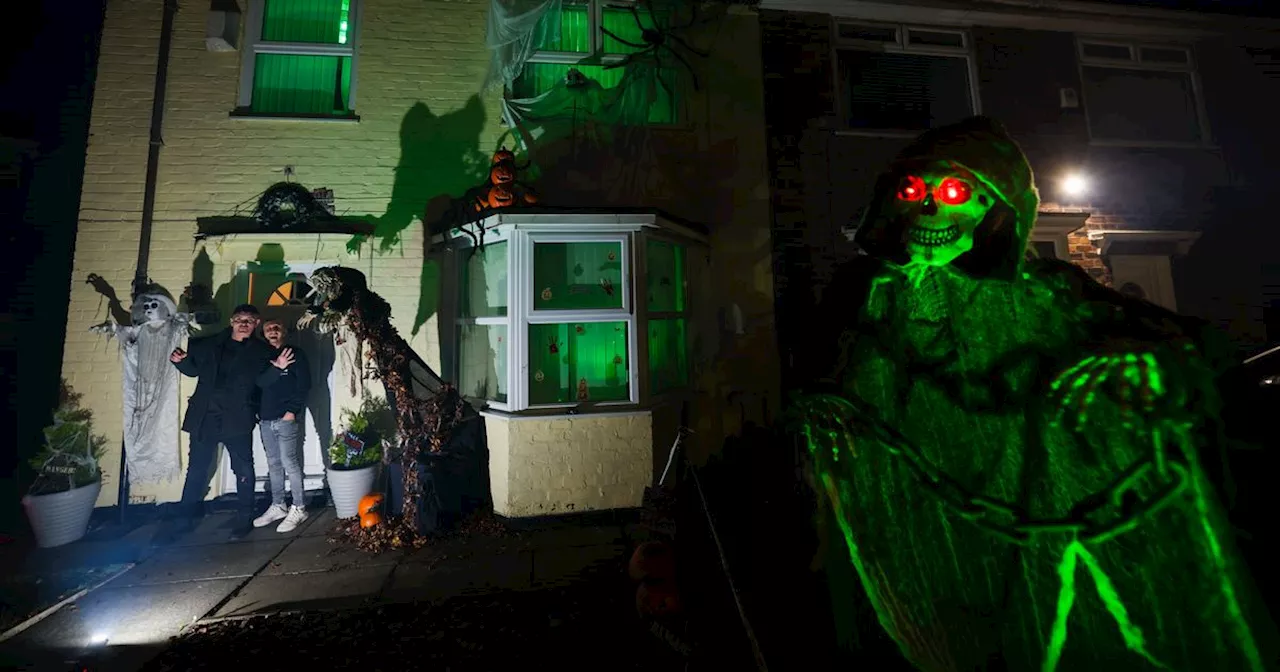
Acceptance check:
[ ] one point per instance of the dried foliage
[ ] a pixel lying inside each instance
(395, 534)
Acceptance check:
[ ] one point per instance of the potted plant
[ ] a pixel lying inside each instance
(356, 453)
(68, 479)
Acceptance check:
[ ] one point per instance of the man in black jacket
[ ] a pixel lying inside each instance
(284, 402)
(231, 366)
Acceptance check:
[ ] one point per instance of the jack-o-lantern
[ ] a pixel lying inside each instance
(652, 560)
(369, 503)
(502, 173)
(503, 155)
(658, 598)
(501, 197)
(370, 519)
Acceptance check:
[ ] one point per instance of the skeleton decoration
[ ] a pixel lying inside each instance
(151, 418)
(428, 410)
(1011, 453)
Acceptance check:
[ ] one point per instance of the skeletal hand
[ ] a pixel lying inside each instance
(284, 360)
(306, 320)
(105, 327)
(1141, 382)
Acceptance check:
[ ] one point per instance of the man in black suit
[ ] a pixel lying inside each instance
(231, 366)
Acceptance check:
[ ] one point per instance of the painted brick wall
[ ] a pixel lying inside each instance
(569, 464)
(411, 52)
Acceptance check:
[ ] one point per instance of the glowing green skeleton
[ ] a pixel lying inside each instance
(1010, 450)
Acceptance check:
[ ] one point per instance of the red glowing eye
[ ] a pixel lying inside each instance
(954, 192)
(911, 189)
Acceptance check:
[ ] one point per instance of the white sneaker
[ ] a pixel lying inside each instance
(297, 514)
(273, 513)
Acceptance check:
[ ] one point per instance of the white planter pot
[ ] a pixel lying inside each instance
(62, 517)
(348, 486)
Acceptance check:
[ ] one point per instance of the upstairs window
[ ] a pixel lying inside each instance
(299, 59)
(902, 79)
(1141, 94)
(584, 46)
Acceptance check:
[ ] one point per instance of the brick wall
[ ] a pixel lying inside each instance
(423, 123)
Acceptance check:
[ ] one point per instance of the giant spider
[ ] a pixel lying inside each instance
(655, 39)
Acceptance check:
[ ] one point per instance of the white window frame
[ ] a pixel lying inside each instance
(1135, 62)
(522, 268)
(901, 45)
(647, 316)
(491, 236)
(254, 46)
(595, 52)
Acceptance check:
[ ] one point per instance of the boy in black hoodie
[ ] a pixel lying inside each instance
(280, 423)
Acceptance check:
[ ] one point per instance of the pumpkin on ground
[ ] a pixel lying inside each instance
(370, 519)
(369, 503)
(652, 560)
(658, 598)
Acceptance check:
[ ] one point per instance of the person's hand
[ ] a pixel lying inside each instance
(177, 355)
(288, 416)
(284, 360)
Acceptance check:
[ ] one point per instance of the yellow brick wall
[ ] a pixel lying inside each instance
(410, 52)
(545, 466)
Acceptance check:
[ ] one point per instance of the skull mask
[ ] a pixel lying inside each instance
(941, 205)
(150, 308)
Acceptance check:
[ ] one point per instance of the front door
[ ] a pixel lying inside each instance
(279, 291)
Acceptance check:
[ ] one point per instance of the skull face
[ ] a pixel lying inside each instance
(148, 308)
(941, 205)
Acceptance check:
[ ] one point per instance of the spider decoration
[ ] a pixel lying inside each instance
(657, 39)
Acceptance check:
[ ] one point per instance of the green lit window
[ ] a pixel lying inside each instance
(300, 59)
(667, 330)
(482, 323)
(578, 276)
(579, 35)
(578, 362)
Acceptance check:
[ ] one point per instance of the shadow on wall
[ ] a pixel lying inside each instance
(440, 158)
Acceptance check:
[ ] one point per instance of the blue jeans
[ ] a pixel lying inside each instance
(282, 442)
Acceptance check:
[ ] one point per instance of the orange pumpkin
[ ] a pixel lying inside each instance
(652, 560)
(658, 598)
(530, 198)
(369, 503)
(503, 155)
(502, 173)
(370, 519)
(501, 197)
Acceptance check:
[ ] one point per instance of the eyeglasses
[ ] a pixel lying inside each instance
(245, 320)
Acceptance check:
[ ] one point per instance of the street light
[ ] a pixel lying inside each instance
(1075, 184)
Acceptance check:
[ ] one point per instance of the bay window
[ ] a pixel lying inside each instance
(558, 311)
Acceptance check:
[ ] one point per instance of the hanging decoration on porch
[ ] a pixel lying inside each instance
(286, 206)
(428, 411)
(1009, 451)
(150, 384)
(503, 190)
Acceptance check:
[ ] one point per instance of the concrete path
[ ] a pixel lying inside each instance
(204, 576)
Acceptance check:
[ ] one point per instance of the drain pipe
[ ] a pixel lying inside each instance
(149, 200)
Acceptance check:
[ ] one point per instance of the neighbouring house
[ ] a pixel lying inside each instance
(634, 298)
(1157, 110)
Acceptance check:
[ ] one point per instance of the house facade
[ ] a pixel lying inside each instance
(380, 110)
(1137, 123)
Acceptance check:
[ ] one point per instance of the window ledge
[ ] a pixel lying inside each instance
(527, 415)
(257, 116)
(861, 133)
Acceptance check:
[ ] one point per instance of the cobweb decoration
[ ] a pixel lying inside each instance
(514, 31)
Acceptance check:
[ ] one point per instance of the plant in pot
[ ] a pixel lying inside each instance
(68, 477)
(356, 453)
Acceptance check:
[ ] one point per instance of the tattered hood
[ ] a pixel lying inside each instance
(981, 145)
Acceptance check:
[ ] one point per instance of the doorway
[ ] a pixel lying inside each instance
(280, 290)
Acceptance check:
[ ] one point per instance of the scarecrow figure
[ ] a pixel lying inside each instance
(151, 415)
(1010, 452)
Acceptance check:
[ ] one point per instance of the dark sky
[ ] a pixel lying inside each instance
(1269, 8)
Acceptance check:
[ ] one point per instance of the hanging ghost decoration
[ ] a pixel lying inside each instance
(1010, 453)
(151, 419)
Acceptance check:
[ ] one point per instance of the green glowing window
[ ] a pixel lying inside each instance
(578, 362)
(665, 276)
(482, 361)
(484, 281)
(668, 355)
(302, 61)
(578, 276)
(579, 35)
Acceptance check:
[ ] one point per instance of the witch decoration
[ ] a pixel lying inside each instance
(151, 415)
(1012, 453)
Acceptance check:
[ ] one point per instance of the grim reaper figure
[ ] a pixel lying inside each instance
(150, 385)
(1011, 453)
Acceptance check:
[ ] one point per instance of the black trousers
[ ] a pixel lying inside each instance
(202, 463)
